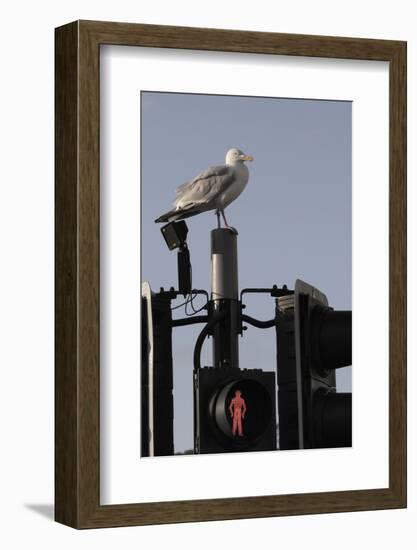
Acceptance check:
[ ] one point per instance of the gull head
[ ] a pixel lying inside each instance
(234, 156)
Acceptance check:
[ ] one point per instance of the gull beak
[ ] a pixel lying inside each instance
(246, 157)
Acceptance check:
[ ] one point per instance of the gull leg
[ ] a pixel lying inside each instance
(218, 219)
(226, 224)
(224, 218)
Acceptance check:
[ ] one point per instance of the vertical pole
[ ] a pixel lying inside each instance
(225, 296)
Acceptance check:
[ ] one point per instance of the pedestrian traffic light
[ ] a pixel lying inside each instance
(234, 410)
(313, 340)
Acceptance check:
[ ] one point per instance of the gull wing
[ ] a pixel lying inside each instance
(205, 187)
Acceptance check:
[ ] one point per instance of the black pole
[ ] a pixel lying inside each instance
(184, 270)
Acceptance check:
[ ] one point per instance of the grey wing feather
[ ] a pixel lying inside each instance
(206, 186)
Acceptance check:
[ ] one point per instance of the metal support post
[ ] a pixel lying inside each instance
(225, 297)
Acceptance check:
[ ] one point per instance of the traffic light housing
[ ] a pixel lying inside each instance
(287, 377)
(157, 406)
(313, 340)
(323, 341)
(215, 431)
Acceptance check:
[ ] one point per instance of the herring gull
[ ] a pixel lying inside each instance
(213, 189)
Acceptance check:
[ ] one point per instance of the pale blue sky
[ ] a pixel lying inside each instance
(294, 217)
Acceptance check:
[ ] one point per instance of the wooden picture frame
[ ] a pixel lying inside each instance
(77, 373)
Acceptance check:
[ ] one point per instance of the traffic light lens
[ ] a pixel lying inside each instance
(331, 339)
(242, 411)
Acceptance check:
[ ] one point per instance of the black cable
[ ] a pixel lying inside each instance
(183, 304)
(202, 336)
(257, 323)
(196, 310)
(192, 298)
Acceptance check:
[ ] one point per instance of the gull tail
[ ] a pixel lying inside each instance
(175, 214)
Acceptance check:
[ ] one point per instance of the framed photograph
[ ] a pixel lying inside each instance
(239, 352)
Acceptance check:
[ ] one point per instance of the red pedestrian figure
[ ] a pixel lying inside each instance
(237, 410)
